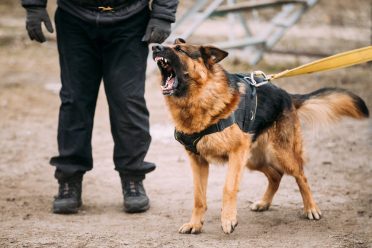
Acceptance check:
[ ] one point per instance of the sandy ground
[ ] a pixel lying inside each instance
(339, 171)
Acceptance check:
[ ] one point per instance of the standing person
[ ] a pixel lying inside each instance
(102, 39)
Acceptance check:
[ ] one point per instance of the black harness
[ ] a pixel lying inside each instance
(243, 116)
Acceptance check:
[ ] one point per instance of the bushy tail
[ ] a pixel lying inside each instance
(328, 105)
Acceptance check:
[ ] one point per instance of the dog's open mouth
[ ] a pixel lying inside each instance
(169, 81)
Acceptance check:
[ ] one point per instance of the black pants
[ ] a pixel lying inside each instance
(89, 53)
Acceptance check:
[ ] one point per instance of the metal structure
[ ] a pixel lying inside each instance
(257, 43)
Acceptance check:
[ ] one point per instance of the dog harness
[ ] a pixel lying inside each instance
(243, 116)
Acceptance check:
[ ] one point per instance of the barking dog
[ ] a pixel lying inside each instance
(220, 118)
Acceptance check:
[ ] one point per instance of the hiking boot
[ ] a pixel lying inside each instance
(68, 200)
(135, 198)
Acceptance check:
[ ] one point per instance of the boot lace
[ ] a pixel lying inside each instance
(131, 187)
(67, 189)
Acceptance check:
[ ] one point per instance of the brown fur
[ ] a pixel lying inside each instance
(277, 151)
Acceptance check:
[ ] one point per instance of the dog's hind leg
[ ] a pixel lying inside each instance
(288, 153)
(310, 208)
(274, 177)
(200, 171)
(294, 167)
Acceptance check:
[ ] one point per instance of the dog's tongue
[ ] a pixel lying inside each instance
(168, 86)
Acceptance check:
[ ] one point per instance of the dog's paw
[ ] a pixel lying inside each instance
(192, 228)
(313, 213)
(259, 206)
(228, 226)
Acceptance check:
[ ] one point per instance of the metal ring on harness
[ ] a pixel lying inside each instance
(258, 73)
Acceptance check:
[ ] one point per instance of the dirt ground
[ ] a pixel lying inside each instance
(339, 167)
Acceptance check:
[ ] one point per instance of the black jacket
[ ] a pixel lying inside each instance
(88, 10)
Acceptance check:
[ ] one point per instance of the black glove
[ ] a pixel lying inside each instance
(157, 31)
(36, 15)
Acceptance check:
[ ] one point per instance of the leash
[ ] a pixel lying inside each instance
(340, 60)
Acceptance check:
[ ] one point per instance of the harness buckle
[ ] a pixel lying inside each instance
(105, 8)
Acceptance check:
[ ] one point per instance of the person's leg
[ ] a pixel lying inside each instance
(80, 63)
(124, 69)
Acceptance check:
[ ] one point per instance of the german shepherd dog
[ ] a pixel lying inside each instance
(199, 94)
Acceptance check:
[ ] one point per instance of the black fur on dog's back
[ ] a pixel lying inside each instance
(271, 103)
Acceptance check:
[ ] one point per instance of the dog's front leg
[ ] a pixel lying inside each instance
(229, 213)
(200, 170)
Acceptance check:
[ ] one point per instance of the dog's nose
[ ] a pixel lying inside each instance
(157, 48)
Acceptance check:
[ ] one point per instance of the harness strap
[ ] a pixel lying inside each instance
(256, 79)
(191, 140)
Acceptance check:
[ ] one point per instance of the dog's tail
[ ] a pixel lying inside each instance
(328, 105)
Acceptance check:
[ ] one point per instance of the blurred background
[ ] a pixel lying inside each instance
(339, 167)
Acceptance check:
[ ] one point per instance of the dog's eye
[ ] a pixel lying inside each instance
(179, 49)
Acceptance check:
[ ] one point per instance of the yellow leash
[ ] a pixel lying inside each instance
(340, 60)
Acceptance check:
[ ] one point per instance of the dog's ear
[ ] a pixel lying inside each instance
(179, 41)
(212, 55)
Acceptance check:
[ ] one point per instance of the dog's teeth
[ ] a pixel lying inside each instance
(159, 59)
(166, 61)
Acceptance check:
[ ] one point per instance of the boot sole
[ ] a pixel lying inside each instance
(65, 210)
(136, 210)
